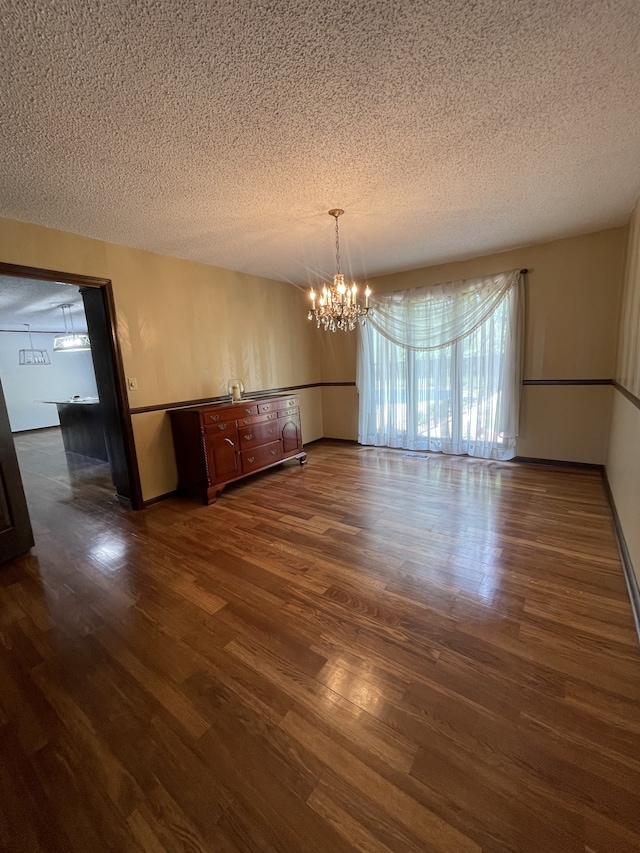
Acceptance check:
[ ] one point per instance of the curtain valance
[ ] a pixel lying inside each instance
(429, 318)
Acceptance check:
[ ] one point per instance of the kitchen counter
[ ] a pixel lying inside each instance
(81, 426)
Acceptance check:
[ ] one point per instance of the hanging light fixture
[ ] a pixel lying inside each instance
(33, 356)
(338, 307)
(70, 342)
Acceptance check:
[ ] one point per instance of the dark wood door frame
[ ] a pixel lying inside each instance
(16, 534)
(120, 413)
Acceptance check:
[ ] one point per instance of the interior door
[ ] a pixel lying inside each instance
(16, 536)
(111, 405)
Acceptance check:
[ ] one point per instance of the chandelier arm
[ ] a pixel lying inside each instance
(338, 307)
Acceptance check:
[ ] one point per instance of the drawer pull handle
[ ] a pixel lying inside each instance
(245, 421)
(265, 408)
(248, 437)
(222, 426)
(251, 458)
(248, 411)
(270, 417)
(214, 417)
(272, 430)
(273, 452)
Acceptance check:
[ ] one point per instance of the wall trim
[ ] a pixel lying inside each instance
(159, 498)
(557, 463)
(315, 441)
(568, 382)
(34, 429)
(627, 566)
(341, 441)
(224, 398)
(286, 389)
(626, 393)
(52, 275)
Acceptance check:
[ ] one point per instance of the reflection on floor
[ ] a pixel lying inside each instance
(51, 476)
(373, 652)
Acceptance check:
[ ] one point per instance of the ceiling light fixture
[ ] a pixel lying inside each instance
(33, 356)
(70, 342)
(338, 307)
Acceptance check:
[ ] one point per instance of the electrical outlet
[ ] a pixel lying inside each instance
(133, 384)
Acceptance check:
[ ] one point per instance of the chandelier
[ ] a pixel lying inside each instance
(31, 355)
(70, 342)
(338, 307)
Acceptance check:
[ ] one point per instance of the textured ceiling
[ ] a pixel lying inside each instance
(24, 300)
(223, 131)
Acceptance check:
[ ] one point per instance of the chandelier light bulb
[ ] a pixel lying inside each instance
(338, 306)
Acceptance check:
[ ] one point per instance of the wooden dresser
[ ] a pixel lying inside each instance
(221, 442)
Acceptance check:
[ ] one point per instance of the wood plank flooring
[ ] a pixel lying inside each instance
(376, 652)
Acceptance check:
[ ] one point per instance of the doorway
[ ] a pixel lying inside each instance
(97, 300)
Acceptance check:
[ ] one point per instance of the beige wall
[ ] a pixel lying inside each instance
(339, 403)
(573, 290)
(623, 457)
(340, 412)
(184, 330)
(580, 416)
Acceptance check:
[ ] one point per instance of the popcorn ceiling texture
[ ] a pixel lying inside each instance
(38, 303)
(224, 131)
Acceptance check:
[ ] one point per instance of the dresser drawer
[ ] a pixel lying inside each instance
(259, 457)
(214, 429)
(271, 406)
(242, 411)
(260, 433)
(213, 416)
(226, 413)
(291, 410)
(243, 423)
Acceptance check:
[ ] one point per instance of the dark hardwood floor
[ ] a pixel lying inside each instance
(375, 652)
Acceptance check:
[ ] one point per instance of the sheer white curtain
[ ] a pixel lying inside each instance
(440, 368)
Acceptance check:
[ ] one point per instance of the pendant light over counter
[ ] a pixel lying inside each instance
(70, 341)
(33, 356)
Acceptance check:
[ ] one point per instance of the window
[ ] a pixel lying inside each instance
(440, 368)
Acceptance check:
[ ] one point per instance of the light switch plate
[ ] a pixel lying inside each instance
(133, 384)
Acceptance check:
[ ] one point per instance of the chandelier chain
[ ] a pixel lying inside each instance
(338, 306)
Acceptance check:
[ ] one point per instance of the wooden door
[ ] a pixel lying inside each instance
(16, 536)
(222, 456)
(290, 434)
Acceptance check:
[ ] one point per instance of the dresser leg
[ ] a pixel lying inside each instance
(211, 495)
